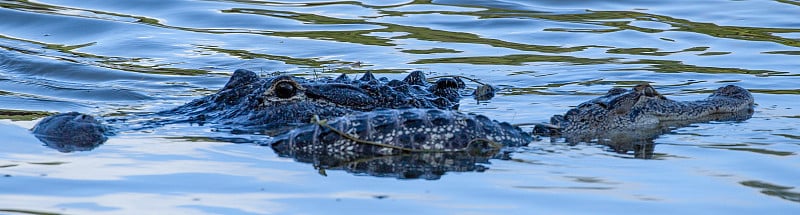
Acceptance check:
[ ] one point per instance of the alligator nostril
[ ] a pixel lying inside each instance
(285, 90)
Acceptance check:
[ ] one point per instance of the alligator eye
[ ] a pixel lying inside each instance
(285, 90)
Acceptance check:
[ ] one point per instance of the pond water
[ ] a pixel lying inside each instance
(116, 57)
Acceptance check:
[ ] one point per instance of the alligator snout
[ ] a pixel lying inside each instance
(642, 106)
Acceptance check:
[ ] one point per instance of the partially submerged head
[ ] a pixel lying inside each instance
(265, 103)
(643, 106)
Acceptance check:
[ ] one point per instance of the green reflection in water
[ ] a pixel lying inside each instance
(518, 59)
(789, 2)
(746, 148)
(23, 211)
(412, 32)
(776, 92)
(422, 33)
(651, 51)
(783, 52)
(713, 53)
(621, 20)
(606, 21)
(431, 51)
(289, 60)
(796, 137)
(782, 192)
(21, 115)
(66, 53)
(671, 66)
(563, 188)
(321, 66)
(54, 163)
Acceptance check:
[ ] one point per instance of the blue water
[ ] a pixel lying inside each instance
(111, 58)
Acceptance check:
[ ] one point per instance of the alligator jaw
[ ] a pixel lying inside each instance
(642, 107)
(727, 99)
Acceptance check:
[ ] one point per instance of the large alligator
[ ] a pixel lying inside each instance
(629, 119)
(248, 103)
(274, 105)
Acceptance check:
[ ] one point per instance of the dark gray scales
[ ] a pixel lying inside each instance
(397, 131)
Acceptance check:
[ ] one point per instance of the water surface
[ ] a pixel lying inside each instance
(116, 57)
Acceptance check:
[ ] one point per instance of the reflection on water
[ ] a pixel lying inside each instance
(774, 190)
(641, 141)
(429, 166)
(111, 58)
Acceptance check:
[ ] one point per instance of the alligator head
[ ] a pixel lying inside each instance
(249, 103)
(622, 111)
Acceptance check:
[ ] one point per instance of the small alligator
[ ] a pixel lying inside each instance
(627, 119)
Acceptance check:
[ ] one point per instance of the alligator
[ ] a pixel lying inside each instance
(379, 117)
(407, 129)
(250, 104)
(629, 119)
(270, 106)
